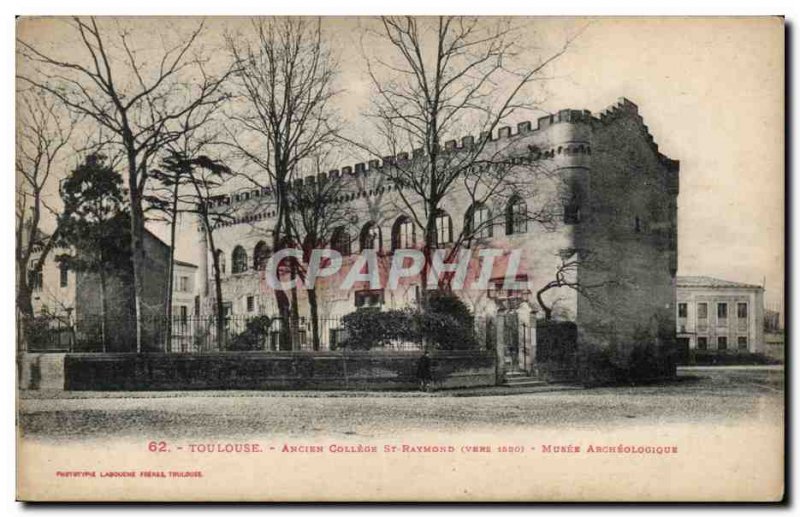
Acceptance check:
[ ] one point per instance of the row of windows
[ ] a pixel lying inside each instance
(722, 310)
(36, 277)
(722, 343)
(404, 234)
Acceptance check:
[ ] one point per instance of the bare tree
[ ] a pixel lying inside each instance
(195, 181)
(441, 78)
(284, 82)
(137, 96)
(176, 190)
(566, 276)
(316, 213)
(43, 132)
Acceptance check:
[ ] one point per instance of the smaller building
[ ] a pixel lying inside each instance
(185, 299)
(82, 311)
(719, 316)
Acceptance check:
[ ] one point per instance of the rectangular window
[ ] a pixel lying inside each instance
(369, 298)
(337, 336)
(702, 311)
(741, 310)
(481, 224)
(63, 276)
(742, 342)
(35, 280)
(702, 343)
(444, 230)
(682, 310)
(722, 311)
(722, 343)
(184, 314)
(572, 213)
(251, 304)
(197, 305)
(183, 284)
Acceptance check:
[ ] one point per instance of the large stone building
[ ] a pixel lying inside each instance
(613, 194)
(718, 316)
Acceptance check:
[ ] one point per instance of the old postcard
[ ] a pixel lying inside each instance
(400, 259)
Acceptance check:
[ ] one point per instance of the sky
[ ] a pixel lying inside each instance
(709, 89)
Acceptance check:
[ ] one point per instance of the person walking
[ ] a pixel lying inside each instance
(424, 371)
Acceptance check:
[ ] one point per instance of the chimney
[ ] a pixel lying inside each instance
(450, 145)
(467, 141)
(504, 132)
(523, 127)
(359, 168)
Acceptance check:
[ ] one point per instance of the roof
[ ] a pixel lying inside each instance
(707, 281)
(186, 264)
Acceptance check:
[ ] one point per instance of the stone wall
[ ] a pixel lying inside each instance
(629, 234)
(273, 371)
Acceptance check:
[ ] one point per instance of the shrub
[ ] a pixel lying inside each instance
(446, 321)
(443, 320)
(371, 328)
(641, 360)
(707, 358)
(254, 335)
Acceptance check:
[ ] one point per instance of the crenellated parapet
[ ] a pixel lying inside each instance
(625, 108)
(563, 137)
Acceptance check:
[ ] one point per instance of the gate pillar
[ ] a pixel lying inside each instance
(500, 349)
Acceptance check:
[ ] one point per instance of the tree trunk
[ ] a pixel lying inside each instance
(103, 309)
(548, 311)
(219, 312)
(429, 244)
(171, 269)
(24, 296)
(278, 243)
(25, 307)
(295, 310)
(312, 305)
(137, 244)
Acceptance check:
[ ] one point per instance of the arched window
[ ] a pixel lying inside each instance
(260, 256)
(239, 260)
(444, 228)
(479, 220)
(371, 237)
(340, 241)
(221, 260)
(516, 216)
(403, 233)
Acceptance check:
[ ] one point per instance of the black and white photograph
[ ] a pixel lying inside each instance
(399, 258)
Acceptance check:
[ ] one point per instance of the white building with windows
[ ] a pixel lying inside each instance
(719, 316)
(185, 301)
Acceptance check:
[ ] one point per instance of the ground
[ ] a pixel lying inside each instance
(700, 395)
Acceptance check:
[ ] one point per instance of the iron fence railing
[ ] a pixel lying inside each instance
(198, 334)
